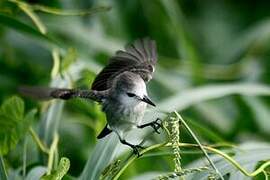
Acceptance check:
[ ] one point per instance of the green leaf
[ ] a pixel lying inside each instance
(22, 27)
(36, 173)
(28, 119)
(189, 97)
(13, 107)
(205, 132)
(60, 172)
(261, 113)
(13, 123)
(102, 154)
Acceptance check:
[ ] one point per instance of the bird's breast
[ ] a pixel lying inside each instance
(124, 117)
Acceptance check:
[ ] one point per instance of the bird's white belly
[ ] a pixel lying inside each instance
(128, 118)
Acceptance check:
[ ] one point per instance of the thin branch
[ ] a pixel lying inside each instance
(25, 8)
(132, 158)
(40, 144)
(200, 145)
(51, 153)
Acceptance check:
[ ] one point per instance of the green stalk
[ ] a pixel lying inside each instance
(56, 63)
(3, 173)
(200, 145)
(25, 8)
(60, 12)
(132, 158)
(259, 170)
(51, 153)
(37, 140)
(24, 157)
(229, 159)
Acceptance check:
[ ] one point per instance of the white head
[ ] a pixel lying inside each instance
(130, 89)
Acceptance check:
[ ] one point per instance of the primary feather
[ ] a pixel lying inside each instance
(139, 57)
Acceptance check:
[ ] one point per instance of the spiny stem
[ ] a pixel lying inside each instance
(174, 138)
(200, 145)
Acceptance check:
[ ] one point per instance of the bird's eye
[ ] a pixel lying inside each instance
(131, 94)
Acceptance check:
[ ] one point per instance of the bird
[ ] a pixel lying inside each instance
(120, 88)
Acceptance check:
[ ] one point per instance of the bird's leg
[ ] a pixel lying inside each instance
(134, 147)
(154, 124)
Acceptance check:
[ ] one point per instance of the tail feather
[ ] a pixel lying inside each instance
(104, 132)
(46, 93)
(41, 93)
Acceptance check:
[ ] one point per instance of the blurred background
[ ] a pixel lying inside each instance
(213, 68)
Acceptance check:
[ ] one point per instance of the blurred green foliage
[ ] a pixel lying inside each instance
(213, 67)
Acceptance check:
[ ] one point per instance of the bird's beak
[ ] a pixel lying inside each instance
(148, 101)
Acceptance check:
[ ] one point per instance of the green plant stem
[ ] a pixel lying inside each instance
(51, 153)
(41, 27)
(132, 158)
(56, 63)
(56, 11)
(60, 12)
(24, 157)
(40, 144)
(228, 158)
(3, 173)
(56, 67)
(189, 145)
(265, 175)
(25, 8)
(200, 145)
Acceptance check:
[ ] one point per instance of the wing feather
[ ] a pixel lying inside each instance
(139, 57)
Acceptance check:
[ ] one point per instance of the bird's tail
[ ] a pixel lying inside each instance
(45, 93)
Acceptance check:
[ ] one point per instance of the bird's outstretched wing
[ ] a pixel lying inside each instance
(139, 57)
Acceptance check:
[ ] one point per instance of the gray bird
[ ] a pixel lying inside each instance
(120, 88)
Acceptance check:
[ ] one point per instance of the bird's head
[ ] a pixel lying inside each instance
(131, 89)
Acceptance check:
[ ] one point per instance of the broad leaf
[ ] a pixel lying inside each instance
(100, 157)
(13, 123)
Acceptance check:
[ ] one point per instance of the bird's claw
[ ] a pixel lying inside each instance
(136, 150)
(156, 125)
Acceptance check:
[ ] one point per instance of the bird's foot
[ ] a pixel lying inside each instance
(136, 151)
(135, 148)
(154, 124)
